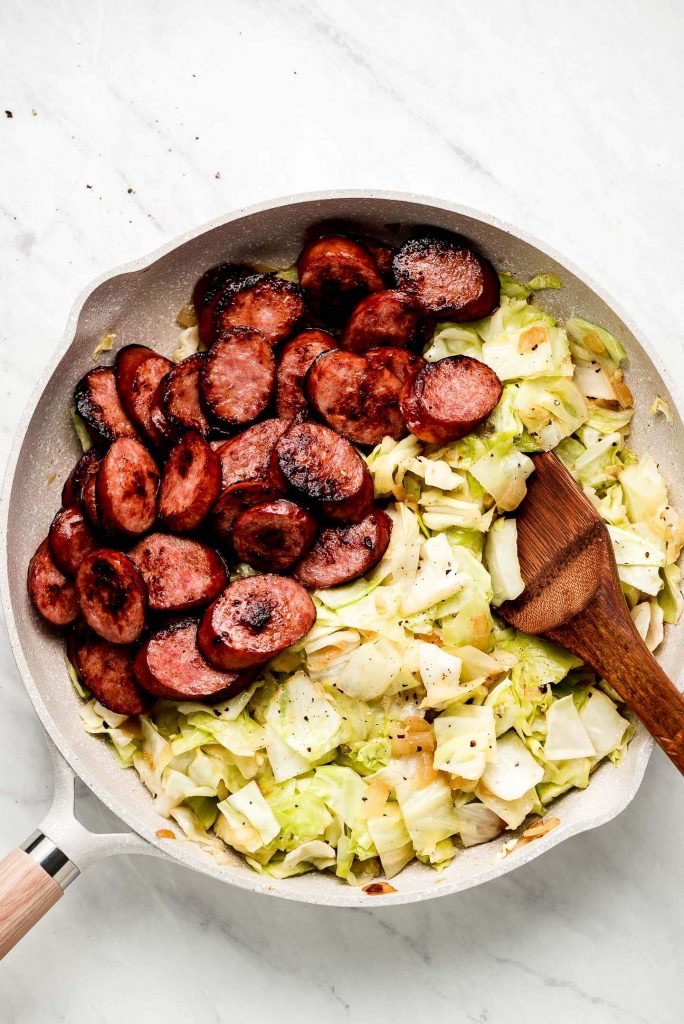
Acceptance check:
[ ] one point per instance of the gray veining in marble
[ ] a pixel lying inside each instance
(563, 118)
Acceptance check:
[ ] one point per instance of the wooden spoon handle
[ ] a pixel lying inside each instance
(605, 637)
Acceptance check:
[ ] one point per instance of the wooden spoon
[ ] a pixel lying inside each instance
(572, 596)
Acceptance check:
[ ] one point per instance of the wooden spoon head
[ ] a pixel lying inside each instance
(564, 549)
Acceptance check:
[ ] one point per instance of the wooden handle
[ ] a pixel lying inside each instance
(27, 892)
(605, 637)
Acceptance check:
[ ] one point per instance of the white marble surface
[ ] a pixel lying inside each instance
(564, 118)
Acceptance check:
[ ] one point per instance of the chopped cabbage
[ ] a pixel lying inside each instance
(541, 282)
(503, 472)
(501, 556)
(596, 339)
(436, 579)
(602, 723)
(440, 673)
(466, 741)
(514, 771)
(391, 839)
(454, 340)
(429, 814)
(478, 824)
(303, 715)
(188, 344)
(566, 736)
(84, 438)
(670, 597)
(550, 408)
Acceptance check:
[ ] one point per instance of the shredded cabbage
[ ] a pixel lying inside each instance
(410, 722)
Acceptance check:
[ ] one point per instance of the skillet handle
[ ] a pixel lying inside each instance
(32, 879)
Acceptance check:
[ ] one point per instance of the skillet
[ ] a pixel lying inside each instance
(139, 302)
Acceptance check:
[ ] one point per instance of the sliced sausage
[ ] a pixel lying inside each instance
(335, 274)
(383, 256)
(161, 430)
(450, 280)
(190, 483)
(322, 467)
(343, 553)
(358, 400)
(253, 620)
(399, 361)
(128, 360)
(52, 594)
(112, 595)
(89, 501)
(265, 302)
(273, 535)
(214, 280)
(208, 290)
(179, 573)
(139, 372)
(126, 488)
(237, 377)
(71, 539)
(107, 670)
(170, 665)
(248, 455)
(88, 464)
(182, 403)
(391, 318)
(99, 406)
(447, 399)
(295, 360)
(235, 499)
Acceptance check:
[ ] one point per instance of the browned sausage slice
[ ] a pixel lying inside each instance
(71, 539)
(253, 620)
(402, 363)
(238, 376)
(209, 289)
(128, 360)
(383, 255)
(343, 553)
(89, 500)
(391, 318)
(182, 403)
(88, 464)
(335, 274)
(248, 455)
(52, 594)
(451, 281)
(107, 670)
(322, 467)
(179, 573)
(126, 488)
(214, 280)
(295, 360)
(234, 500)
(171, 666)
(358, 400)
(161, 430)
(190, 483)
(273, 535)
(264, 302)
(139, 371)
(112, 595)
(99, 406)
(447, 399)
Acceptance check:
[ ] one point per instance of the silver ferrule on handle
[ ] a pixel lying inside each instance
(51, 859)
